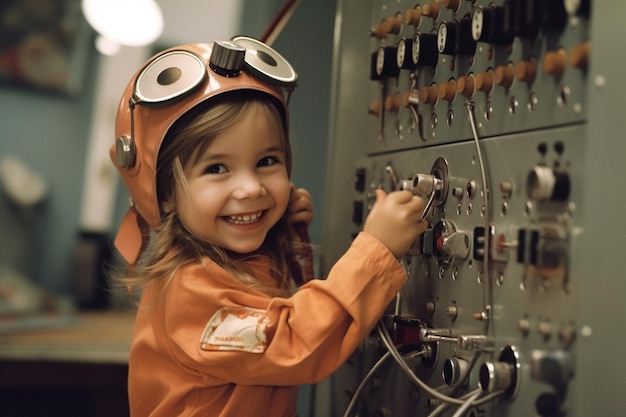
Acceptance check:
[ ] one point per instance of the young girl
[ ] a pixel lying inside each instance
(204, 152)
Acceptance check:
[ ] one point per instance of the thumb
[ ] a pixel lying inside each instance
(381, 195)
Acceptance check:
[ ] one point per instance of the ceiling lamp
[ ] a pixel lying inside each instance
(124, 22)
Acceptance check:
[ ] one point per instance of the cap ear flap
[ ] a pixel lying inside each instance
(133, 236)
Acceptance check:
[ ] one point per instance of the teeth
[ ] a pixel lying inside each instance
(246, 218)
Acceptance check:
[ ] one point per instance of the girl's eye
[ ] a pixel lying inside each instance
(268, 161)
(215, 169)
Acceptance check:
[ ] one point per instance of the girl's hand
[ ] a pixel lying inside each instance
(395, 220)
(300, 206)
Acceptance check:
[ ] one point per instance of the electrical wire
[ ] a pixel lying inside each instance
(459, 412)
(364, 382)
(386, 339)
(469, 105)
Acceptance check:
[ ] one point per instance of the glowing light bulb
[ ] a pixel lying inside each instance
(125, 22)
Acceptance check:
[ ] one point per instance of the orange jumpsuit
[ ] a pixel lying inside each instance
(212, 347)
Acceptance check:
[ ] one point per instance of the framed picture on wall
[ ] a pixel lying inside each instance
(44, 44)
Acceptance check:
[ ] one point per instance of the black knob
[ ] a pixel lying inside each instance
(227, 58)
(548, 405)
(455, 38)
(527, 16)
(384, 65)
(424, 51)
(404, 54)
(492, 24)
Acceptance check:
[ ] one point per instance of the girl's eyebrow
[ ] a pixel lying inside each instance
(208, 156)
(276, 148)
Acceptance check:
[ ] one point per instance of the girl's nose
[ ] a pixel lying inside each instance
(249, 186)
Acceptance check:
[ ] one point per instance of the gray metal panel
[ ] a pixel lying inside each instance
(553, 309)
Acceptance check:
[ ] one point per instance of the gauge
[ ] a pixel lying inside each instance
(380, 61)
(445, 39)
(415, 49)
(478, 24)
(401, 53)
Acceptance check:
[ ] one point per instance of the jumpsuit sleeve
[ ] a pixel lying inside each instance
(305, 337)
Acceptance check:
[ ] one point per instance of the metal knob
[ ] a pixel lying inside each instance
(227, 58)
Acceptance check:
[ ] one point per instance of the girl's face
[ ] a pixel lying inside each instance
(238, 188)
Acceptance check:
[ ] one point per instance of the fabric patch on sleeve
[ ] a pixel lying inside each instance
(239, 329)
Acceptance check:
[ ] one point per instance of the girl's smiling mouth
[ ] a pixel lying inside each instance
(242, 219)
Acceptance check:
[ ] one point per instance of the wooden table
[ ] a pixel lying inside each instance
(78, 370)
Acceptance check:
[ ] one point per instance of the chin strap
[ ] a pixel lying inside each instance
(132, 237)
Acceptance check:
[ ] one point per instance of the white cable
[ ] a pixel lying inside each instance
(368, 377)
(386, 339)
(443, 407)
(469, 105)
(468, 403)
(384, 336)
(364, 382)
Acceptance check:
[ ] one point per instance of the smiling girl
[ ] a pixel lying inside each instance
(221, 328)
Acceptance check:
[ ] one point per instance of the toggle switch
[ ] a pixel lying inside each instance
(431, 10)
(392, 103)
(379, 31)
(485, 81)
(504, 75)
(359, 180)
(579, 55)
(466, 85)
(554, 63)
(413, 17)
(393, 24)
(447, 91)
(357, 212)
(553, 367)
(526, 70)
(547, 184)
(545, 248)
(429, 94)
(375, 108)
(450, 243)
(451, 4)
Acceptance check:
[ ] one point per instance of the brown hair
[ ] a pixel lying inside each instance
(172, 245)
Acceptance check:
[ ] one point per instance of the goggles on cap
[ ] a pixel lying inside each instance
(169, 85)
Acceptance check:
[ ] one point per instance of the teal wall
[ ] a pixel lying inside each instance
(307, 43)
(49, 132)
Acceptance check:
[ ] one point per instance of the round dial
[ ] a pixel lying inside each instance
(415, 50)
(478, 21)
(401, 53)
(446, 38)
(442, 37)
(380, 61)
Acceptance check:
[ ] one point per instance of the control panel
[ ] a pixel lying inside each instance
(481, 108)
